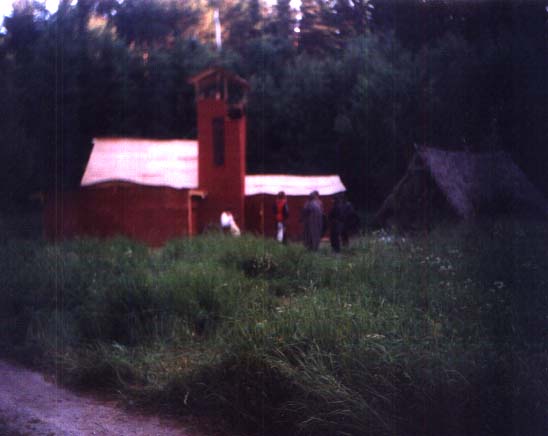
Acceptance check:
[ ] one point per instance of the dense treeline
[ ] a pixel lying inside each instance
(350, 92)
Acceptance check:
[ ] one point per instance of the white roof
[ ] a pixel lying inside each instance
(172, 163)
(292, 185)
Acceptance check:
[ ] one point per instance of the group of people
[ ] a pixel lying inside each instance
(341, 221)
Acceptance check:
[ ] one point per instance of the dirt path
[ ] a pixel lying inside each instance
(30, 405)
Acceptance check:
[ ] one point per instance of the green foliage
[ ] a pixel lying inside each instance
(398, 335)
(148, 22)
(314, 35)
(284, 20)
(350, 93)
(243, 22)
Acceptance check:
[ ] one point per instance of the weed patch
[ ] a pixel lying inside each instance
(437, 334)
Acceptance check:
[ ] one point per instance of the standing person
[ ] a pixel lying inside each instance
(228, 223)
(281, 213)
(343, 220)
(313, 221)
(336, 223)
(351, 221)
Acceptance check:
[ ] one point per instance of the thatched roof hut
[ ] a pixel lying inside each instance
(460, 185)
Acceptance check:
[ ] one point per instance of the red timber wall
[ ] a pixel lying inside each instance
(224, 184)
(259, 214)
(149, 214)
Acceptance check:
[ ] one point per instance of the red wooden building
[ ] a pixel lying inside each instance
(156, 190)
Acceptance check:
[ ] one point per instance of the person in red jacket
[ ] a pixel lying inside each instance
(281, 213)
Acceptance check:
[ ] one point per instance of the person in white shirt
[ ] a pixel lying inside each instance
(228, 223)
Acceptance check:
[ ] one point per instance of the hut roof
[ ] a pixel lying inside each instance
(292, 185)
(172, 163)
(472, 181)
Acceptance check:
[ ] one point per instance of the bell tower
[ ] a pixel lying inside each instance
(220, 100)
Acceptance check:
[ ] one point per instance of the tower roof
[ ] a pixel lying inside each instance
(213, 73)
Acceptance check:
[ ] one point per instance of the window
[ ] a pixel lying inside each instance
(218, 141)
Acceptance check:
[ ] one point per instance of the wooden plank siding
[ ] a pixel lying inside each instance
(149, 214)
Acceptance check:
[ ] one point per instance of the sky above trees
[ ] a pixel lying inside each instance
(6, 7)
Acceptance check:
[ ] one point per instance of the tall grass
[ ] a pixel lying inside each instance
(432, 334)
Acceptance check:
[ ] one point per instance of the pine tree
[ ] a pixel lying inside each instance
(243, 21)
(284, 20)
(350, 17)
(316, 36)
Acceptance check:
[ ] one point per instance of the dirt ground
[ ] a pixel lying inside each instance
(30, 405)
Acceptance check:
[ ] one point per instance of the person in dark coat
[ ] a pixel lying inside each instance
(313, 221)
(343, 220)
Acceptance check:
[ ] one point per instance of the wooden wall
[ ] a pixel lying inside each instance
(149, 214)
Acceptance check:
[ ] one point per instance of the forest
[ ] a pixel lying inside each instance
(337, 86)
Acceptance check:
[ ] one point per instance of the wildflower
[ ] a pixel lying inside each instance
(436, 327)
(374, 336)
(529, 265)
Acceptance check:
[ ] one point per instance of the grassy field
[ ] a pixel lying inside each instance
(438, 334)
